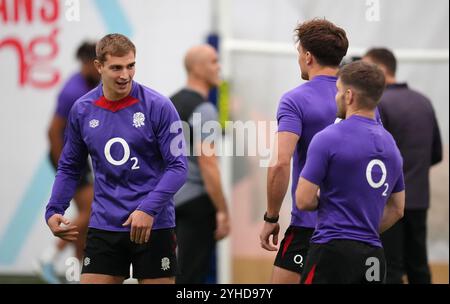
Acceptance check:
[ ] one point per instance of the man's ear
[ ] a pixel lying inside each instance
(349, 96)
(98, 65)
(309, 58)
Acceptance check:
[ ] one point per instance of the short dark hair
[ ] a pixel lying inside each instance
(367, 79)
(114, 45)
(383, 57)
(327, 42)
(86, 52)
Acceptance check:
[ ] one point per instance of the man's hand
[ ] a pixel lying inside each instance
(141, 226)
(222, 225)
(268, 230)
(68, 233)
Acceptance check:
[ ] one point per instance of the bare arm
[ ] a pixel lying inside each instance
(279, 172)
(56, 137)
(393, 211)
(209, 168)
(306, 195)
(277, 184)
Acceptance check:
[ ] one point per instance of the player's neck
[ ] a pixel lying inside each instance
(322, 71)
(361, 112)
(198, 86)
(390, 80)
(113, 96)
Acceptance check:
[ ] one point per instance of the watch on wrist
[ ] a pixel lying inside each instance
(272, 220)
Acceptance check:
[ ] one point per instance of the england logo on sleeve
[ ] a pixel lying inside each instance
(94, 123)
(138, 120)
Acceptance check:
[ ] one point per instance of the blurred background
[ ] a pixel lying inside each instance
(38, 40)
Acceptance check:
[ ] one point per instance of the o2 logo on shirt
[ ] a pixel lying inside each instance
(381, 182)
(126, 153)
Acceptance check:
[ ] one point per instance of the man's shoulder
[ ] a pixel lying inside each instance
(73, 85)
(150, 96)
(402, 92)
(299, 94)
(86, 100)
(150, 93)
(206, 106)
(207, 110)
(390, 144)
(188, 94)
(298, 91)
(291, 101)
(388, 137)
(405, 102)
(187, 102)
(331, 133)
(187, 98)
(74, 79)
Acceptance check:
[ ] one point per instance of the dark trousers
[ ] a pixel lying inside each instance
(196, 222)
(405, 248)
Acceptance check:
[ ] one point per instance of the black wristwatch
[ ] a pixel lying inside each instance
(272, 220)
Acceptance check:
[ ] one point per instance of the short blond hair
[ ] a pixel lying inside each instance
(115, 45)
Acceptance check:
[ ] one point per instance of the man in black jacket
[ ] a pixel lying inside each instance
(409, 116)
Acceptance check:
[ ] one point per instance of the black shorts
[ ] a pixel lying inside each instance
(344, 262)
(294, 249)
(85, 175)
(111, 253)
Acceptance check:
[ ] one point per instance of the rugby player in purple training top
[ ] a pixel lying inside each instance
(302, 113)
(138, 167)
(76, 86)
(358, 168)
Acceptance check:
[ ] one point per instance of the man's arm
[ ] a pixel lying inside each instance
(277, 184)
(314, 172)
(436, 152)
(167, 123)
(65, 101)
(209, 169)
(71, 162)
(56, 137)
(383, 115)
(306, 195)
(279, 172)
(393, 211)
(173, 155)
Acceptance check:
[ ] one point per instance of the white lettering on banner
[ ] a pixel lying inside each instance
(35, 55)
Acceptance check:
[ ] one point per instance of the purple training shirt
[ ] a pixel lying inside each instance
(304, 111)
(357, 165)
(129, 142)
(73, 89)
